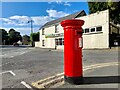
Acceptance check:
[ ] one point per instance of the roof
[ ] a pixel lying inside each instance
(71, 16)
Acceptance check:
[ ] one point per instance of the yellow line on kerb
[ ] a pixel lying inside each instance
(100, 65)
(35, 84)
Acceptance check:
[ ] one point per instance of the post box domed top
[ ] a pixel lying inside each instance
(72, 22)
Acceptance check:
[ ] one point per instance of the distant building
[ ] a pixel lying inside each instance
(98, 31)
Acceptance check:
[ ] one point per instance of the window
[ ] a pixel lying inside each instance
(43, 42)
(92, 29)
(59, 41)
(56, 29)
(43, 31)
(86, 30)
(98, 29)
(56, 41)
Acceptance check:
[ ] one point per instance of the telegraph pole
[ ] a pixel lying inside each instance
(31, 24)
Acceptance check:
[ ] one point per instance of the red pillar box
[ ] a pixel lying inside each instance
(73, 50)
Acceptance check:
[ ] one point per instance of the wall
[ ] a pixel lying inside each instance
(96, 39)
(49, 42)
(37, 44)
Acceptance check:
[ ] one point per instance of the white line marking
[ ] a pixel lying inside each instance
(26, 85)
(11, 72)
(4, 72)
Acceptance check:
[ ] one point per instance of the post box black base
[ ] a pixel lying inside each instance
(74, 80)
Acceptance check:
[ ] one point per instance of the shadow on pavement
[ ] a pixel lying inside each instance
(102, 80)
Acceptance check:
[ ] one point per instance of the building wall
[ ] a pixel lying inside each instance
(48, 42)
(90, 40)
(37, 44)
(96, 39)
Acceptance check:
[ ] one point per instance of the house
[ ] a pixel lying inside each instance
(98, 31)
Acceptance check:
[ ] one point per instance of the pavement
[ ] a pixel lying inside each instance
(103, 75)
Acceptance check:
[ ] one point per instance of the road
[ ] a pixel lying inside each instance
(27, 64)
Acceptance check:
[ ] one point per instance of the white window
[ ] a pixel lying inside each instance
(99, 28)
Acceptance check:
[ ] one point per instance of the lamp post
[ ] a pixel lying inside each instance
(31, 22)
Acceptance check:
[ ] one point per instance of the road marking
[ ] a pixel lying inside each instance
(26, 85)
(100, 65)
(11, 72)
(42, 83)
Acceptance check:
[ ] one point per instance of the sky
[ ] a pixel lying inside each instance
(17, 14)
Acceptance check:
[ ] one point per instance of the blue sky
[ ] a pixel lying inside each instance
(17, 14)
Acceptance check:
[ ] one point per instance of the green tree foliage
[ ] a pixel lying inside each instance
(34, 36)
(26, 39)
(114, 9)
(4, 36)
(14, 36)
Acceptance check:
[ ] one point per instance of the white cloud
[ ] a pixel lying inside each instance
(6, 21)
(59, 1)
(37, 20)
(67, 4)
(55, 14)
(20, 20)
(40, 20)
(23, 20)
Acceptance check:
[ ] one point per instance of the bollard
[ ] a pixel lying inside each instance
(73, 44)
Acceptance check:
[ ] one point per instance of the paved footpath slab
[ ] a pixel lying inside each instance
(102, 77)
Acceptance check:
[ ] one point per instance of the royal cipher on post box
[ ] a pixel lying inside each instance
(73, 44)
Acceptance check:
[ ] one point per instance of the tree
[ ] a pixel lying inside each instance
(26, 39)
(113, 7)
(4, 36)
(14, 36)
(34, 36)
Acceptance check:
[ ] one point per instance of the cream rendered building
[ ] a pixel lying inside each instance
(96, 31)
